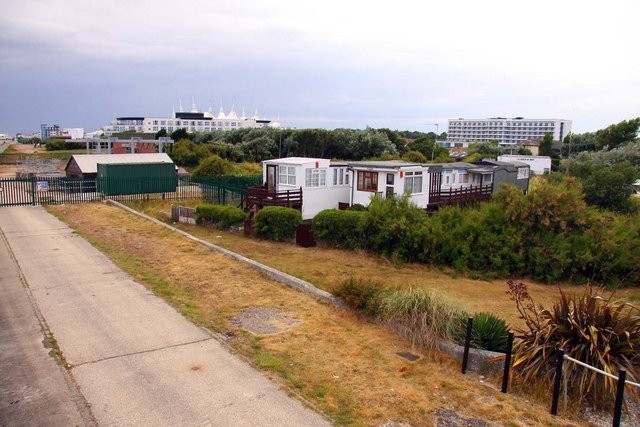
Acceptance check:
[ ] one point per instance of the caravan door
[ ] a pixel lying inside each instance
(272, 177)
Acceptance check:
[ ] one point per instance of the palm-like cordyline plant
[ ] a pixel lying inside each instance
(597, 331)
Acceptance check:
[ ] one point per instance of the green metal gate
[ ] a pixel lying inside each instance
(17, 191)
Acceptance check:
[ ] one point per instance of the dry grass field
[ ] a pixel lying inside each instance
(344, 366)
(326, 268)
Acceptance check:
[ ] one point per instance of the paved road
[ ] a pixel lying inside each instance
(133, 359)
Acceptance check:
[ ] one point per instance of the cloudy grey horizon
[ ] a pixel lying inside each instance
(402, 65)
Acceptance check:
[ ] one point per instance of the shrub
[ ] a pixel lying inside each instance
(360, 294)
(489, 332)
(600, 332)
(213, 165)
(223, 215)
(63, 144)
(277, 223)
(414, 157)
(425, 316)
(342, 229)
(392, 226)
(357, 207)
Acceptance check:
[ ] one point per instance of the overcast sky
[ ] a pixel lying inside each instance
(398, 64)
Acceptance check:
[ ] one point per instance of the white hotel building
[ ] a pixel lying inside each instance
(193, 121)
(513, 131)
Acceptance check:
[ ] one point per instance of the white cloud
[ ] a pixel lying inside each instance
(376, 60)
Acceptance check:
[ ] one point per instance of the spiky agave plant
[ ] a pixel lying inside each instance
(489, 332)
(597, 331)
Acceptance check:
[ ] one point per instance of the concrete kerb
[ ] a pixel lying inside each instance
(287, 279)
(478, 359)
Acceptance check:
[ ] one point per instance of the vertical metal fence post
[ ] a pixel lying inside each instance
(617, 411)
(557, 381)
(33, 191)
(507, 363)
(467, 343)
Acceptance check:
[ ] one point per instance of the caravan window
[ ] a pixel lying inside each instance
(413, 182)
(368, 181)
(315, 177)
(287, 175)
(523, 173)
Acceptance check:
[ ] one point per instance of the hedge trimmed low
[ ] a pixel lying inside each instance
(224, 216)
(277, 223)
(342, 229)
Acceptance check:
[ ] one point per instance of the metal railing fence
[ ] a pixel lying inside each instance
(43, 190)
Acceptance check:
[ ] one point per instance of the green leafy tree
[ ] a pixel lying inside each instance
(575, 143)
(610, 187)
(213, 166)
(161, 133)
(618, 134)
(429, 148)
(546, 145)
(179, 134)
(186, 153)
(394, 137)
(414, 157)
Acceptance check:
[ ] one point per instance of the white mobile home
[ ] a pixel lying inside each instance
(387, 178)
(324, 185)
(331, 185)
(538, 164)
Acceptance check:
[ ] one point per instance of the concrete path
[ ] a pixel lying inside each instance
(134, 359)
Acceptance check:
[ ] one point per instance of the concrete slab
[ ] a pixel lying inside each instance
(34, 390)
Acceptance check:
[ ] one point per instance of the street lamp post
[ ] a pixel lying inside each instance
(435, 142)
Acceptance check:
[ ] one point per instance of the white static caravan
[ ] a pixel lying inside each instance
(463, 175)
(385, 178)
(538, 164)
(324, 185)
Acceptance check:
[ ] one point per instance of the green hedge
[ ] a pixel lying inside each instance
(549, 234)
(342, 229)
(223, 215)
(277, 223)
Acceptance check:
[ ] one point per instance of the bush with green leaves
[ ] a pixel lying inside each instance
(342, 229)
(361, 294)
(392, 226)
(277, 223)
(213, 165)
(224, 216)
(357, 207)
(54, 144)
(600, 332)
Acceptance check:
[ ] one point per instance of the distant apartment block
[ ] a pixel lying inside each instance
(73, 133)
(192, 121)
(507, 132)
(49, 131)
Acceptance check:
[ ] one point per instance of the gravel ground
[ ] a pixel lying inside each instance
(630, 417)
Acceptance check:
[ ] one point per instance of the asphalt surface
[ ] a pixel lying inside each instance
(132, 359)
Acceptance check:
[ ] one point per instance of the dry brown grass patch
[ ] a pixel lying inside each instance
(343, 365)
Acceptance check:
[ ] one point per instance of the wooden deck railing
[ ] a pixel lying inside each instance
(460, 195)
(262, 197)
